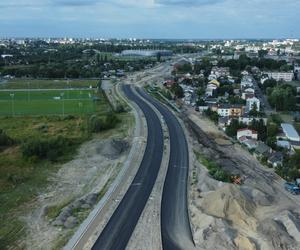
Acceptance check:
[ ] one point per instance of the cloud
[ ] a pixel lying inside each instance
(75, 2)
(188, 2)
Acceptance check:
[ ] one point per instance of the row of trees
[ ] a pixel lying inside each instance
(282, 98)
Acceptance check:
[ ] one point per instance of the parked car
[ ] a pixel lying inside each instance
(292, 188)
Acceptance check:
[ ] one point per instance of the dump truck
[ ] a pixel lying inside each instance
(292, 188)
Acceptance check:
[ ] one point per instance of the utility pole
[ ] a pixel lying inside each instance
(63, 103)
(28, 96)
(12, 95)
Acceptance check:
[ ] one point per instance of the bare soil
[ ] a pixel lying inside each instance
(74, 189)
(259, 214)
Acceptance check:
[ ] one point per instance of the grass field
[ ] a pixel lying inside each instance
(21, 180)
(48, 102)
(47, 84)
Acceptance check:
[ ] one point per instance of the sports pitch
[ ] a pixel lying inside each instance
(47, 102)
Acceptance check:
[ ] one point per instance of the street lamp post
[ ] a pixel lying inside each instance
(12, 95)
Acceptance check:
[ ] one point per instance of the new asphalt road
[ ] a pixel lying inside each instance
(175, 225)
(118, 231)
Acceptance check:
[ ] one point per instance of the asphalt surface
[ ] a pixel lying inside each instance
(120, 227)
(175, 225)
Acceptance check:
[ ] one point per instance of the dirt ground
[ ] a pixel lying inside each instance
(259, 214)
(73, 191)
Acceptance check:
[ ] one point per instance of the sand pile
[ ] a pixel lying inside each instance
(231, 204)
(112, 148)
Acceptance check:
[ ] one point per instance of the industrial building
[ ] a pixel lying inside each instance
(146, 53)
(290, 132)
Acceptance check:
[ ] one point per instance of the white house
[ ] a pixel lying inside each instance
(281, 76)
(248, 133)
(251, 102)
(248, 120)
(246, 82)
(249, 92)
(210, 89)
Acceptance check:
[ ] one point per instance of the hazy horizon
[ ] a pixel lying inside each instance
(155, 19)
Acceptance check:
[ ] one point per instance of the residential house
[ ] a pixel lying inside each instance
(248, 119)
(220, 71)
(275, 159)
(249, 143)
(215, 82)
(248, 133)
(246, 82)
(169, 83)
(281, 76)
(251, 103)
(223, 122)
(248, 93)
(181, 63)
(262, 150)
(283, 144)
(210, 90)
(232, 110)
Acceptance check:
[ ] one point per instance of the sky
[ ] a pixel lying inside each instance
(181, 19)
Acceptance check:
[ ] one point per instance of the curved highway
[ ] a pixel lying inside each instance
(175, 225)
(119, 228)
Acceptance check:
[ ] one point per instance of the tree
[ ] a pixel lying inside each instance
(234, 126)
(261, 129)
(158, 56)
(262, 53)
(283, 98)
(177, 90)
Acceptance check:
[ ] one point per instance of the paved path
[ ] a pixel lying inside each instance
(119, 229)
(175, 225)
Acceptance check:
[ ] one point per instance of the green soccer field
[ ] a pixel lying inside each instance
(48, 102)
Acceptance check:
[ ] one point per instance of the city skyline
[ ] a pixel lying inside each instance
(169, 19)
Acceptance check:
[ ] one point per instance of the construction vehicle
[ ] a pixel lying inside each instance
(292, 188)
(235, 179)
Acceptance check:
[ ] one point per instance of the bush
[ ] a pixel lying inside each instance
(5, 140)
(97, 124)
(50, 149)
(120, 108)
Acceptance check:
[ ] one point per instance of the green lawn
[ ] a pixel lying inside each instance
(48, 84)
(48, 102)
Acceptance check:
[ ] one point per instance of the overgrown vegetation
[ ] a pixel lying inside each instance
(33, 147)
(214, 169)
(5, 140)
(49, 149)
(212, 115)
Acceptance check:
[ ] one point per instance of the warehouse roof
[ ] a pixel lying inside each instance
(290, 131)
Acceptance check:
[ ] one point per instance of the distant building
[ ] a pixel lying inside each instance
(215, 82)
(281, 76)
(220, 71)
(290, 132)
(146, 53)
(246, 82)
(182, 62)
(251, 103)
